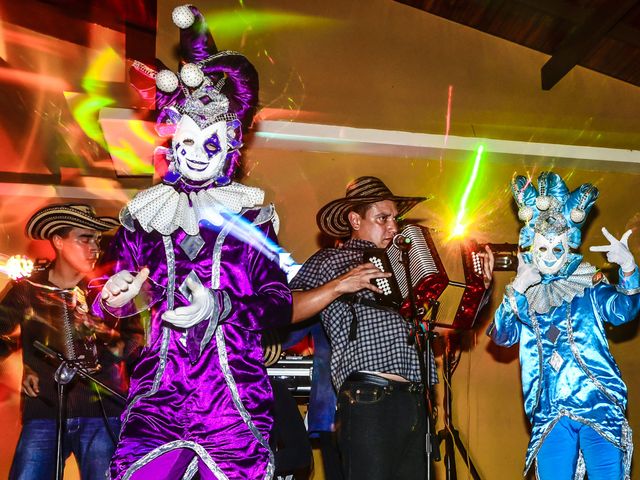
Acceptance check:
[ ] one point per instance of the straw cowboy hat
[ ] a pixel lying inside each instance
(333, 219)
(49, 220)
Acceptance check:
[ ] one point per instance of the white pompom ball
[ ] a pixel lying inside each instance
(166, 80)
(577, 215)
(183, 17)
(191, 75)
(525, 214)
(543, 202)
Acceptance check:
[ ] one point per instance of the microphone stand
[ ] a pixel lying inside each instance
(449, 434)
(64, 374)
(421, 336)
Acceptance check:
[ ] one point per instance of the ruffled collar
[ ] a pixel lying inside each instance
(544, 296)
(165, 209)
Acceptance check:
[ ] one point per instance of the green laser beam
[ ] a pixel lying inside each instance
(467, 191)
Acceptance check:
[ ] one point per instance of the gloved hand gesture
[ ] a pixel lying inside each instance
(122, 287)
(526, 276)
(617, 251)
(202, 305)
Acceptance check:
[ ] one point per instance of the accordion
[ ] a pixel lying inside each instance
(428, 277)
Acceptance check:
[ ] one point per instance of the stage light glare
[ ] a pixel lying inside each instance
(16, 266)
(458, 231)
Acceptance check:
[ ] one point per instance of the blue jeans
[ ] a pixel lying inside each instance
(558, 455)
(87, 438)
(381, 432)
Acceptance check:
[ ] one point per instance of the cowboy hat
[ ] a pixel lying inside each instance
(49, 220)
(333, 219)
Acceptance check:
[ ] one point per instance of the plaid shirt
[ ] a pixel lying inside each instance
(381, 335)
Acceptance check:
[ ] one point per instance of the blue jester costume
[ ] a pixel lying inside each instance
(558, 320)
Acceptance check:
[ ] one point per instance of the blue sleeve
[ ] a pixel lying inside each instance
(619, 304)
(507, 321)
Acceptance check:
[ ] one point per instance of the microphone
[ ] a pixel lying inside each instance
(401, 242)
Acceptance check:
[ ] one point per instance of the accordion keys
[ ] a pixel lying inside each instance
(382, 283)
(428, 278)
(476, 263)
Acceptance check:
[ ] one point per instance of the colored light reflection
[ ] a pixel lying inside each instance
(230, 24)
(15, 266)
(128, 141)
(460, 226)
(448, 117)
(36, 81)
(247, 232)
(86, 109)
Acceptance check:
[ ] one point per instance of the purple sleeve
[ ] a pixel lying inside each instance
(122, 254)
(270, 305)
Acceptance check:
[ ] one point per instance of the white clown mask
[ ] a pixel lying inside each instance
(200, 153)
(550, 253)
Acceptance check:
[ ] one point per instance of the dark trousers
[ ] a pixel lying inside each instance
(289, 436)
(381, 430)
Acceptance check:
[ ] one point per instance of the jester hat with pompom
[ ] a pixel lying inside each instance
(552, 209)
(211, 86)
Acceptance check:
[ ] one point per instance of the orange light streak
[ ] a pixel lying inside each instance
(37, 81)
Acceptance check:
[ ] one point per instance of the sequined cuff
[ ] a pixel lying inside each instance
(510, 295)
(629, 285)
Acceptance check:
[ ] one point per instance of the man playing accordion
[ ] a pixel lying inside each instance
(381, 417)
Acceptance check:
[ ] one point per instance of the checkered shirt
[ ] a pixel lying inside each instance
(381, 340)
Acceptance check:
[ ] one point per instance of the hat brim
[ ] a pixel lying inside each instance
(46, 222)
(333, 220)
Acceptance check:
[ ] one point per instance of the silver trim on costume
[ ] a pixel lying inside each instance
(222, 351)
(167, 447)
(536, 329)
(533, 459)
(192, 469)
(625, 443)
(220, 313)
(627, 291)
(237, 401)
(171, 271)
(223, 53)
(581, 467)
(583, 366)
(217, 253)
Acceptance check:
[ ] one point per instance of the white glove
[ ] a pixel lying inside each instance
(527, 275)
(202, 305)
(617, 251)
(122, 287)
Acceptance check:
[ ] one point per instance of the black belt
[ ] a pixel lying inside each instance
(377, 380)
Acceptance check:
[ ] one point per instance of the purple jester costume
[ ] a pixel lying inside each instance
(200, 399)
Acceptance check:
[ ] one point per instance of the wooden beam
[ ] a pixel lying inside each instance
(623, 32)
(583, 39)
